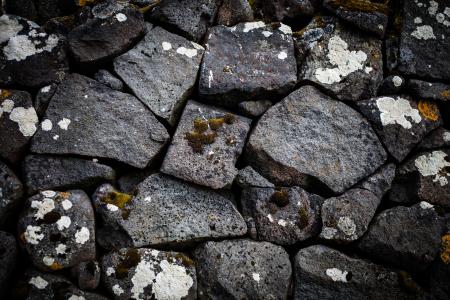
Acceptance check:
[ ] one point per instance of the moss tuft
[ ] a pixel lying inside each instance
(131, 260)
(303, 218)
(117, 198)
(280, 197)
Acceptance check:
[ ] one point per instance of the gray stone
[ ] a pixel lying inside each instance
(44, 172)
(248, 177)
(308, 139)
(43, 98)
(391, 85)
(90, 119)
(167, 67)
(264, 66)
(438, 138)
(242, 269)
(232, 12)
(57, 229)
(86, 275)
(379, 182)
(129, 182)
(392, 55)
(401, 122)
(11, 191)
(108, 79)
(429, 90)
(279, 10)
(348, 64)
(8, 261)
(206, 146)
(254, 109)
(149, 274)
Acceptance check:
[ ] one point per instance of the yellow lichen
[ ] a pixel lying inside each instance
(446, 94)
(4, 94)
(64, 195)
(445, 254)
(200, 125)
(116, 198)
(55, 266)
(429, 110)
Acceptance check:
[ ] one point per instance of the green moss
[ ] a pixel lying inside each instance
(360, 6)
(130, 260)
(185, 260)
(280, 197)
(117, 198)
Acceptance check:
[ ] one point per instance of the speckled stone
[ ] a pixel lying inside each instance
(11, 192)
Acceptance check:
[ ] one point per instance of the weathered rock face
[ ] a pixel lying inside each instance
(264, 66)
(57, 229)
(88, 118)
(286, 9)
(310, 136)
(400, 121)
(149, 274)
(254, 109)
(232, 12)
(347, 64)
(438, 138)
(86, 274)
(206, 146)
(108, 79)
(429, 90)
(43, 98)
(167, 65)
(424, 46)
(11, 191)
(8, 260)
(41, 10)
(238, 269)
(392, 84)
(248, 177)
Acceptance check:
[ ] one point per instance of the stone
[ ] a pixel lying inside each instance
(423, 177)
(370, 15)
(248, 177)
(206, 146)
(86, 275)
(57, 229)
(438, 138)
(24, 8)
(147, 273)
(11, 192)
(129, 182)
(8, 261)
(167, 65)
(312, 141)
(412, 249)
(392, 85)
(392, 55)
(112, 30)
(108, 79)
(283, 216)
(325, 273)
(30, 57)
(39, 10)
(347, 64)
(429, 90)
(424, 46)
(190, 19)
(232, 12)
(265, 66)
(167, 211)
(254, 109)
(43, 97)
(380, 182)
(88, 118)
(242, 269)
(400, 121)
(287, 9)
(18, 123)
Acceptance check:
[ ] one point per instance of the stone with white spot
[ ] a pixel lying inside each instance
(43, 98)
(432, 91)
(392, 85)
(439, 138)
(11, 191)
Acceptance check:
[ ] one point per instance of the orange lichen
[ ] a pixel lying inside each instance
(445, 94)
(64, 195)
(84, 2)
(4, 94)
(55, 266)
(429, 110)
(445, 254)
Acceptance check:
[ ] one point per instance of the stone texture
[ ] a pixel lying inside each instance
(86, 275)
(43, 98)
(90, 119)
(8, 261)
(108, 79)
(242, 269)
(278, 10)
(254, 109)
(429, 90)
(308, 137)
(206, 146)
(11, 191)
(232, 12)
(167, 65)
(248, 177)
(392, 85)
(438, 138)
(380, 182)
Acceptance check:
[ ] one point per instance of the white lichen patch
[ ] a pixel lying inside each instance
(347, 226)
(43, 207)
(285, 29)
(112, 207)
(397, 81)
(26, 118)
(117, 290)
(61, 249)
(48, 194)
(166, 46)
(269, 216)
(10, 27)
(267, 33)
(64, 123)
(433, 8)
(282, 222)
(82, 235)
(172, 282)
(346, 62)
(121, 17)
(188, 52)
(63, 222)
(46, 125)
(110, 271)
(446, 136)
(143, 276)
(256, 277)
(7, 105)
(45, 89)
(33, 234)
(396, 111)
(210, 78)
(48, 261)
(328, 233)
(424, 32)
(56, 137)
(38, 282)
(20, 47)
(66, 204)
(282, 55)
(417, 20)
(249, 26)
(76, 297)
(433, 164)
(425, 205)
(337, 275)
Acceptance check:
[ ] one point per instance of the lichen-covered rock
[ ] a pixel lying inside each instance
(86, 275)
(206, 146)
(429, 90)
(149, 274)
(8, 261)
(264, 65)
(407, 237)
(424, 44)
(346, 63)
(11, 191)
(44, 172)
(43, 97)
(438, 138)
(167, 67)
(232, 12)
(88, 118)
(242, 269)
(18, 123)
(325, 273)
(279, 10)
(57, 229)
(392, 85)
(248, 177)
(108, 79)
(400, 122)
(29, 56)
(254, 109)
(308, 137)
(282, 216)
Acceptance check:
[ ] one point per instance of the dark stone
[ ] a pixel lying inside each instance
(86, 275)
(248, 177)
(108, 79)
(391, 85)
(429, 90)
(232, 12)
(279, 10)
(8, 261)
(254, 109)
(439, 138)
(11, 192)
(43, 98)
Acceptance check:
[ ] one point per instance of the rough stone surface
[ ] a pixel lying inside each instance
(57, 229)
(254, 109)
(108, 79)
(379, 182)
(429, 90)
(286, 9)
(90, 119)
(206, 146)
(438, 138)
(232, 12)
(43, 98)
(8, 260)
(400, 121)
(86, 275)
(149, 274)
(242, 269)
(347, 64)
(392, 85)
(11, 191)
(264, 67)
(308, 136)
(248, 177)
(167, 65)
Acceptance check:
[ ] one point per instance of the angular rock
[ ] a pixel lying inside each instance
(11, 191)
(325, 273)
(308, 139)
(57, 229)
(279, 10)
(348, 64)
(86, 275)
(108, 79)
(43, 98)
(429, 90)
(88, 118)
(438, 138)
(282, 216)
(264, 66)
(248, 177)
(168, 211)
(391, 85)
(149, 274)
(28, 56)
(190, 19)
(128, 182)
(206, 146)
(424, 46)
(407, 237)
(242, 269)
(254, 109)
(400, 122)
(8, 261)
(380, 182)
(167, 65)
(113, 29)
(232, 12)
(18, 123)
(424, 177)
